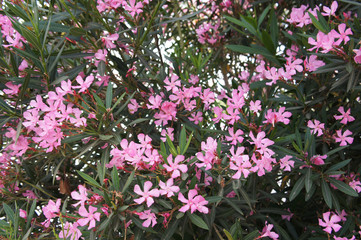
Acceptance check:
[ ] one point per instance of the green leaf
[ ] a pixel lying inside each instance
(31, 214)
(187, 145)
(326, 193)
(172, 149)
(109, 96)
(9, 212)
(263, 15)
(213, 199)
(253, 50)
(129, 181)
(89, 179)
(101, 68)
(317, 24)
(338, 166)
(244, 23)
(343, 187)
(138, 120)
(115, 179)
(308, 180)
(170, 230)
(105, 137)
(252, 235)
(229, 236)
(274, 29)
(336, 150)
(77, 31)
(105, 223)
(297, 188)
(198, 221)
(75, 138)
(182, 139)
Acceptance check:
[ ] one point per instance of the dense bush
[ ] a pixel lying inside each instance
(180, 119)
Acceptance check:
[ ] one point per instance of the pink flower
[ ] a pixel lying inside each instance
(146, 195)
(193, 202)
(343, 138)
(234, 136)
(288, 216)
(169, 132)
(255, 106)
(82, 196)
(318, 159)
(312, 64)
(196, 117)
(205, 160)
(356, 185)
(330, 223)
(261, 142)
(240, 163)
(50, 211)
(108, 41)
(100, 55)
(316, 126)
(133, 7)
(266, 232)
(173, 84)
(84, 85)
(342, 35)
(345, 116)
(133, 106)
(150, 218)
(286, 163)
(174, 166)
(168, 188)
(70, 230)
(167, 112)
(23, 213)
(155, 102)
(89, 217)
(357, 58)
(12, 89)
(193, 79)
(330, 11)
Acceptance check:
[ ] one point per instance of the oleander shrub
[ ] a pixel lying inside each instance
(140, 119)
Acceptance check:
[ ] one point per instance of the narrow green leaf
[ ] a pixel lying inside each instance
(263, 15)
(234, 206)
(308, 180)
(138, 120)
(316, 23)
(338, 166)
(105, 137)
(187, 145)
(129, 181)
(182, 139)
(251, 236)
(229, 236)
(115, 179)
(9, 212)
(336, 150)
(274, 29)
(326, 192)
(213, 199)
(31, 214)
(109, 97)
(297, 188)
(343, 187)
(198, 221)
(89, 179)
(170, 230)
(171, 146)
